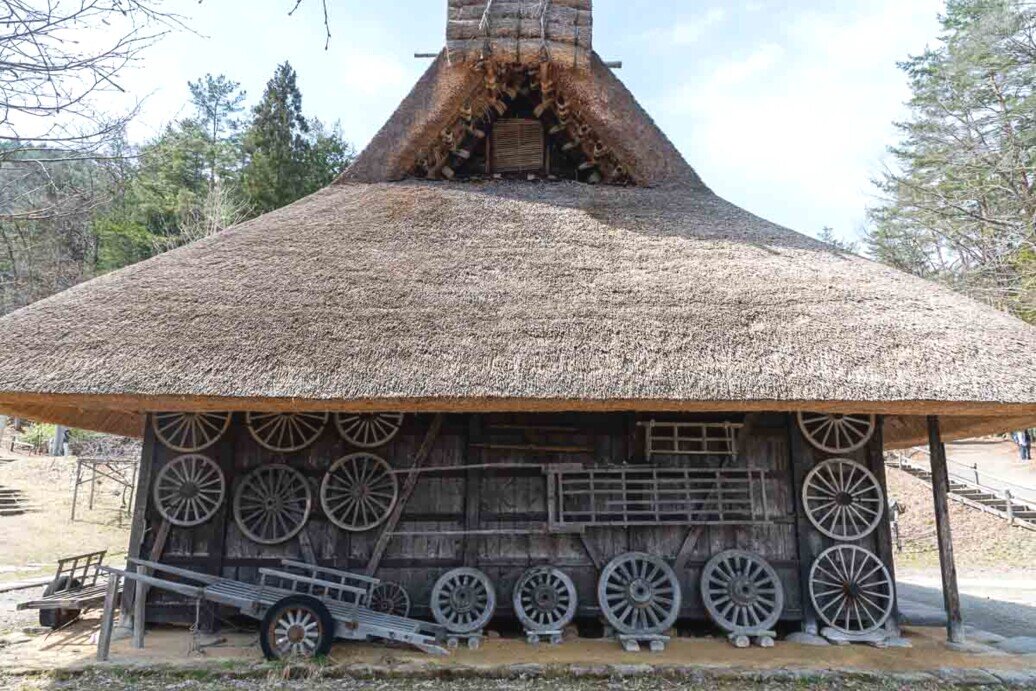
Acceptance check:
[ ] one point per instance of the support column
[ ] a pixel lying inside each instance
(940, 490)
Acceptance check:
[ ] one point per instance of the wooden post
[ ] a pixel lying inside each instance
(809, 542)
(104, 639)
(883, 540)
(140, 597)
(138, 526)
(940, 490)
(472, 490)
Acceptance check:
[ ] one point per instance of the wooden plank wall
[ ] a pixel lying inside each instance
(510, 498)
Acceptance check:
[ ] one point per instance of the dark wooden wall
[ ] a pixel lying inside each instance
(510, 498)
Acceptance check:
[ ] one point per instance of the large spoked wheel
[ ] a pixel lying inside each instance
(368, 430)
(189, 432)
(851, 589)
(358, 492)
(297, 626)
(189, 489)
(843, 499)
(639, 594)
(741, 592)
(463, 600)
(836, 432)
(272, 503)
(544, 599)
(285, 432)
(390, 598)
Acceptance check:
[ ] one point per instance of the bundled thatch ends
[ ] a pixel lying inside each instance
(521, 31)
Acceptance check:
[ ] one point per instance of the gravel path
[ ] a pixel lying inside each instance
(1006, 606)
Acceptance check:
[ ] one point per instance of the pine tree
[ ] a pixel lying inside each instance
(960, 202)
(216, 101)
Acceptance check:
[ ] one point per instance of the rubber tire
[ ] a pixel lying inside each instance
(326, 622)
(56, 618)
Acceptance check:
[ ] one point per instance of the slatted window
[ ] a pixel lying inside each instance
(517, 146)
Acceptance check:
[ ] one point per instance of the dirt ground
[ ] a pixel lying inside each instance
(31, 543)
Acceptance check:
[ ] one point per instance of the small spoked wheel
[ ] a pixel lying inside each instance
(368, 430)
(189, 432)
(544, 599)
(851, 589)
(843, 499)
(463, 600)
(741, 592)
(272, 503)
(285, 432)
(639, 594)
(189, 489)
(296, 626)
(837, 432)
(358, 492)
(390, 598)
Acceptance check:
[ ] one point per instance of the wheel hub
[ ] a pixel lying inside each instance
(296, 633)
(462, 599)
(188, 490)
(640, 591)
(742, 591)
(843, 499)
(546, 598)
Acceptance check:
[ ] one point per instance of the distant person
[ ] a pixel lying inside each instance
(1024, 441)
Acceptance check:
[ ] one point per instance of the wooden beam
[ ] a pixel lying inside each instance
(940, 490)
(404, 495)
(472, 490)
(809, 542)
(104, 638)
(141, 502)
(883, 535)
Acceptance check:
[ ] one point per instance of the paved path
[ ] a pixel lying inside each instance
(1006, 606)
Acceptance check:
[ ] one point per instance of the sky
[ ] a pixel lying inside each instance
(784, 107)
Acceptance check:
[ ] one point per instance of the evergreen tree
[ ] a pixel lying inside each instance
(216, 101)
(276, 146)
(960, 202)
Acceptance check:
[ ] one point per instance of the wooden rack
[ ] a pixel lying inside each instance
(690, 438)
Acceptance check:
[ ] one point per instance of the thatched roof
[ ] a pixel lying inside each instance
(512, 295)
(380, 293)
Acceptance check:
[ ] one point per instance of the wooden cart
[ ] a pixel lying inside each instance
(79, 584)
(302, 608)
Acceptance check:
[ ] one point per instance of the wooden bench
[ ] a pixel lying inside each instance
(79, 584)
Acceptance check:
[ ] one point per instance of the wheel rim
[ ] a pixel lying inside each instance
(843, 499)
(390, 598)
(368, 430)
(189, 432)
(272, 503)
(741, 592)
(544, 599)
(851, 589)
(463, 600)
(358, 492)
(639, 593)
(837, 432)
(297, 632)
(285, 432)
(189, 489)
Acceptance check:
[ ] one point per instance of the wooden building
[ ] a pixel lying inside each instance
(520, 362)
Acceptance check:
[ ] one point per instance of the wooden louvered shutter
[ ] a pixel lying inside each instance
(517, 145)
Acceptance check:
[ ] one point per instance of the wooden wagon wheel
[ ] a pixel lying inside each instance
(285, 432)
(296, 626)
(368, 430)
(189, 432)
(639, 594)
(359, 491)
(463, 600)
(544, 599)
(837, 432)
(843, 499)
(851, 589)
(189, 489)
(742, 592)
(272, 503)
(390, 598)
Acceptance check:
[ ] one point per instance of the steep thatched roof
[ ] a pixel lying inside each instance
(406, 295)
(512, 295)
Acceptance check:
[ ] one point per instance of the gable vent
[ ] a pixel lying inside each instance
(517, 146)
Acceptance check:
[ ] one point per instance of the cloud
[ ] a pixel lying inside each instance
(687, 32)
(796, 127)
